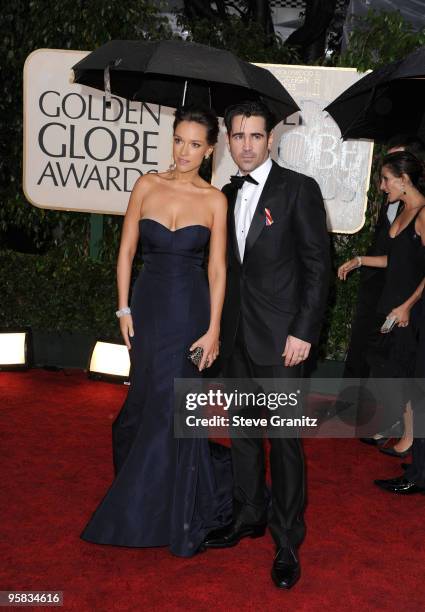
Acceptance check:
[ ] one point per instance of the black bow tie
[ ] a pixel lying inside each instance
(238, 180)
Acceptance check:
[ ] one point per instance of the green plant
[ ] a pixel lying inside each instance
(50, 293)
(69, 24)
(380, 38)
(245, 39)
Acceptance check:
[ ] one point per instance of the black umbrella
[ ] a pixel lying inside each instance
(172, 73)
(385, 102)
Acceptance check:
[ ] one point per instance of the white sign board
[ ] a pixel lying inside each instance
(80, 155)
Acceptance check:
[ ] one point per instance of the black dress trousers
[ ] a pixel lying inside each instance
(251, 501)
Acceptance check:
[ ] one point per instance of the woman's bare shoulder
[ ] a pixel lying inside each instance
(210, 191)
(153, 177)
(420, 224)
(145, 182)
(217, 197)
(421, 216)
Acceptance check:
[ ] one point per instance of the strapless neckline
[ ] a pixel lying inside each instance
(176, 230)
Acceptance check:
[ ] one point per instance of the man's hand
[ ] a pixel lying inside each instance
(296, 351)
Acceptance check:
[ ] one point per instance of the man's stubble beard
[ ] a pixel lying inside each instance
(252, 165)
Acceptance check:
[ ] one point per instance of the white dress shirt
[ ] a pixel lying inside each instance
(246, 202)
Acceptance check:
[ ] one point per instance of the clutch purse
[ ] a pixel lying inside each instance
(388, 325)
(195, 356)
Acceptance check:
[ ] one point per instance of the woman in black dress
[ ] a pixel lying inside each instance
(393, 355)
(167, 491)
(412, 480)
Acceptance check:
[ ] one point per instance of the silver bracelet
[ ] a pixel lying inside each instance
(123, 311)
(359, 261)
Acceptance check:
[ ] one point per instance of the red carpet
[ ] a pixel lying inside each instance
(365, 549)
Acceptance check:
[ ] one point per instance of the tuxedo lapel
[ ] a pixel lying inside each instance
(233, 193)
(259, 218)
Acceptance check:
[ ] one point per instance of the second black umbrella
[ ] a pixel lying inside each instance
(385, 102)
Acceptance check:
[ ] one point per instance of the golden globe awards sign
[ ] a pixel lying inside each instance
(80, 155)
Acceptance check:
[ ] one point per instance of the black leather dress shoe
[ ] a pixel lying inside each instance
(232, 534)
(286, 568)
(400, 485)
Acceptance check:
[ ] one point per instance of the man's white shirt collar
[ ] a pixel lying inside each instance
(260, 173)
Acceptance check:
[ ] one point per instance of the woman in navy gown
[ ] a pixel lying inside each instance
(167, 491)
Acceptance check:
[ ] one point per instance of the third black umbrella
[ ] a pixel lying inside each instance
(385, 102)
(173, 72)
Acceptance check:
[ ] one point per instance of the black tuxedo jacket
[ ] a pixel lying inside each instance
(281, 286)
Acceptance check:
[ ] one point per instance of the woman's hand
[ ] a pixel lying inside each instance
(347, 267)
(402, 314)
(210, 344)
(127, 330)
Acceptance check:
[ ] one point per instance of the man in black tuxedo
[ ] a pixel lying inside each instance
(277, 285)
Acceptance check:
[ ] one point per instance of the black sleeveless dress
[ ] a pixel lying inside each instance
(167, 491)
(393, 355)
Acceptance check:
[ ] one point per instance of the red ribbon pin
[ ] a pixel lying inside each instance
(269, 218)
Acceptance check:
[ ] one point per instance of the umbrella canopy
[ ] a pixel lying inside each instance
(172, 73)
(385, 102)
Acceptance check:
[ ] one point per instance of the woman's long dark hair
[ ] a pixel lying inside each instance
(403, 162)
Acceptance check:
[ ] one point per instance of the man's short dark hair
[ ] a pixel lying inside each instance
(249, 109)
(410, 143)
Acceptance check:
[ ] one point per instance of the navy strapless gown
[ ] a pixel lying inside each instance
(167, 491)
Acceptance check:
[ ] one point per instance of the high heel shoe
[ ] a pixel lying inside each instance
(395, 431)
(374, 441)
(392, 452)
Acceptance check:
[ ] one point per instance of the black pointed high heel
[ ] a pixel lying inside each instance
(390, 450)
